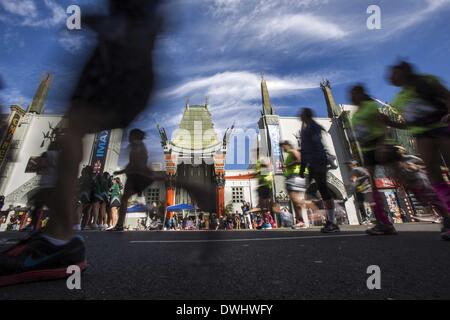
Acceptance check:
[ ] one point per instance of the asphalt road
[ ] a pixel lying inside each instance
(254, 265)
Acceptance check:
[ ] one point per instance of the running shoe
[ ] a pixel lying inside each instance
(382, 229)
(330, 228)
(432, 219)
(299, 225)
(116, 229)
(36, 259)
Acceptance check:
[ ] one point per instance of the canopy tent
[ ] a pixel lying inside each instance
(180, 207)
(137, 208)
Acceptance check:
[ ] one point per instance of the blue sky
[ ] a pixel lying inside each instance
(219, 49)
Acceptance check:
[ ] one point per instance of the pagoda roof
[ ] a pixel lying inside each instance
(196, 129)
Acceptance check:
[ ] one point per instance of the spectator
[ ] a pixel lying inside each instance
(286, 217)
(237, 221)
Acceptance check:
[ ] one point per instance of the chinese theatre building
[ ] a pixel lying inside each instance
(195, 155)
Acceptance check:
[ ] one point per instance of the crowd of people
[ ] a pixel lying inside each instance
(246, 219)
(99, 199)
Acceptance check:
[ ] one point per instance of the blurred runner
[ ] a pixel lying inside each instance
(370, 126)
(114, 87)
(360, 178)
(295, 185)
(424, 103)
(410, 170)
(264, 174)
(315, 159)
(44, 197)
(139, 175)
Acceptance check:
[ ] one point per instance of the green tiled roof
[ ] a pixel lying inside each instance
(197, 129)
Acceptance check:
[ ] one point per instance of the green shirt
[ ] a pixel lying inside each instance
(115, 190)
(404, 97)
(367, 131)
(293, 168)
(265, 176)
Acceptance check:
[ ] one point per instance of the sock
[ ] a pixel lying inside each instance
(54, 241)
(331, 216)
(378, 209)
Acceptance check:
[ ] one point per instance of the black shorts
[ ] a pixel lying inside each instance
(110, 95)
(137, 182)
(43, 197)
(319, 174)
(264, 192)
(115, 203)
(100, 197)
(84, 198)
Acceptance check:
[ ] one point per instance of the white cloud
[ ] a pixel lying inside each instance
(25, 8)
(236, 96)
(246, 85)
(26, 13)
(306, 25)
(436, 4)
(10, 96)
(73, 41)
(285, 26)
(58, 16)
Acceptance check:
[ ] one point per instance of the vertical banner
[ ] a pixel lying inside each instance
(171, 163)
(100, 151)
(219, 163)
(8, 136)
(274, 134)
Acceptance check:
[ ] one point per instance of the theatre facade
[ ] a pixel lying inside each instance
(27, 133)
(196, 152)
